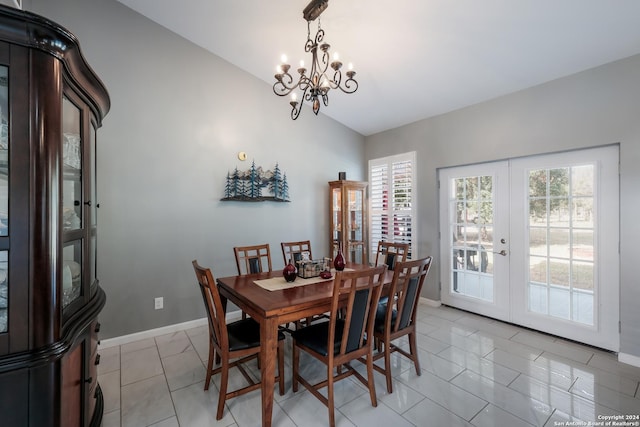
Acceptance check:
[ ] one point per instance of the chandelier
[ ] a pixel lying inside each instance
(318, 82)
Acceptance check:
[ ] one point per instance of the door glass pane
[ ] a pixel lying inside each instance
(356, 240)
(4, 151)
(72, 167)
(560, 234)
(336, 220)
(4, 291)
(4, 193)
(71, 272)
(472, 236)
(94, 211)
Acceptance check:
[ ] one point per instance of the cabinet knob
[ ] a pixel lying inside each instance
(89, 380)
(97, 362)
(88, 203)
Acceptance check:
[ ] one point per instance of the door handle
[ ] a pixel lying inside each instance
(502, 252)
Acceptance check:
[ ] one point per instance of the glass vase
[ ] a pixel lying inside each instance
(290, 272)
(339, 262)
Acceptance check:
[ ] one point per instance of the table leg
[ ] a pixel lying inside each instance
(268, 358)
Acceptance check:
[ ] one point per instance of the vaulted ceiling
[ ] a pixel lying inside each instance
(414, 58)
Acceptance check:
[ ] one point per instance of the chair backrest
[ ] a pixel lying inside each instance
(408, 278)
(363, 288)
(213, 304)
(253, 259)
(390, 253)
(293, 250)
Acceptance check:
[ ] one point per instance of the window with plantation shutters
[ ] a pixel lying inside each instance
(392, 199)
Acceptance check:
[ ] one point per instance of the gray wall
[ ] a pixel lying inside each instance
(179, 116)
(592, 108)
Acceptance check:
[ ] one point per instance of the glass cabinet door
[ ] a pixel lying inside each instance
(72, 167)
(71, 272)
(72, 206)
(336, 219)
(93, 205)
(355, 202)
(4, 196)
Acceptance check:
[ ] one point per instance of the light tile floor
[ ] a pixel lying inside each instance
(475, 372)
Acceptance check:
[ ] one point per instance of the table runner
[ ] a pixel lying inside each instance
(278, 283)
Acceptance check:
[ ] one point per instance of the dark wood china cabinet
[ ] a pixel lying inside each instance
(51, 105)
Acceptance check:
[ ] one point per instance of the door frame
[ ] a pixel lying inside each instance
(605, 333)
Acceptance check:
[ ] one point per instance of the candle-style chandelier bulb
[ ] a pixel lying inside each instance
(316, 84)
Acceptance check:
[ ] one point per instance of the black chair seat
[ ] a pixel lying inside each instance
(245, 333)
(380, 314)
(315, 337)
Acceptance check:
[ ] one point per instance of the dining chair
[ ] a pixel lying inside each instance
(398, 319)
(233, 343)
(342, 339)
(390, 253)
(253, 259)
(293, 250)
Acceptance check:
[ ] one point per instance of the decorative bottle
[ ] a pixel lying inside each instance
(290, 272)
(338, 262)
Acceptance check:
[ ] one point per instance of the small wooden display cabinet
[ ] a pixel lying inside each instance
(348, 216)
(51, 105)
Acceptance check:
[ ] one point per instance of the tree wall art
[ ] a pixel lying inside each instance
(256, 185)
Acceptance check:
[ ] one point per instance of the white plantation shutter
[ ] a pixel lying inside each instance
(392, 199)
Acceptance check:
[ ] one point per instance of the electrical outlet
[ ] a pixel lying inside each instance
(159, 303)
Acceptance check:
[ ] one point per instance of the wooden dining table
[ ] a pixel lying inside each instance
(273, 308)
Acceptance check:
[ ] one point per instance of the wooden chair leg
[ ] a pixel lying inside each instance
(212, 355)
(370, 380)
(387, 366)
(330, 399)
(224, 379)
(413, 349)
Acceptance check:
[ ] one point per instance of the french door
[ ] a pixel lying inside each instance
(534, 241)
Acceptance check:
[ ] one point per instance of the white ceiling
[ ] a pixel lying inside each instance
(414, 58)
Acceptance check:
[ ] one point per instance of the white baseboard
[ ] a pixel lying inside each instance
(152, 333)
(430, 302)
(629, 359)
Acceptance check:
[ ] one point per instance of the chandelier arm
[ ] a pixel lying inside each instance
(325, 99)
(281, 90)
(296, 107)
(284, 84)
(350, 86)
